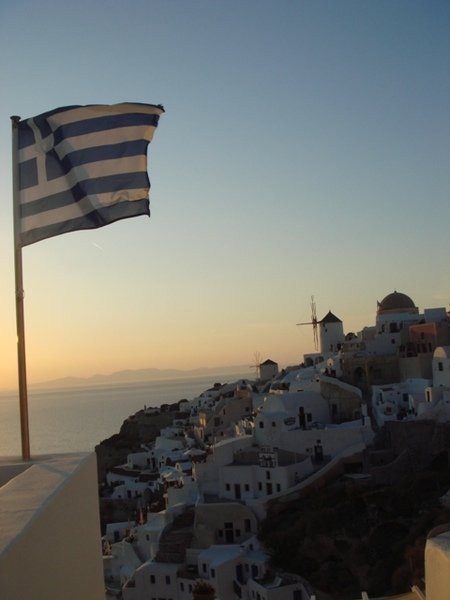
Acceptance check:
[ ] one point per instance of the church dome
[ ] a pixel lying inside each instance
(396, 302)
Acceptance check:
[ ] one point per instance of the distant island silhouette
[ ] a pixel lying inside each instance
(139, 376)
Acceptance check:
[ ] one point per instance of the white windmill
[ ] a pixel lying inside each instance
(257, 364)
(313, 322)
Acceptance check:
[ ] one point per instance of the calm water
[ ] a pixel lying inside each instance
(70, 420)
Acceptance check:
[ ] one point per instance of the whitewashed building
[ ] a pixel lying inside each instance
(153, 580)
(441, 366)
(261, 472)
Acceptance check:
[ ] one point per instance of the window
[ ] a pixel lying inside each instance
(278, 487)
(227, 487)
(182, 586)
(152, 579)
(274, 424)
(441, 366)
(267, 474)
(204, 568)
(259, 486)
(309, 417)
(247, 487)
(168, 579)
(213, 572)
(238, 533)
(261, 425)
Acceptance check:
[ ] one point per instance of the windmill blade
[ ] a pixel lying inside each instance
(257, 363)
(313, 311)
(316, 337)
(313, 322)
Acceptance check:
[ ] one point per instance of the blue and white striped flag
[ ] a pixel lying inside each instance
(82, 167)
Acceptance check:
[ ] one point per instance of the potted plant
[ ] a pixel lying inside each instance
(202, 590)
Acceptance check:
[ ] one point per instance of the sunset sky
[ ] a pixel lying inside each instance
(304, 151)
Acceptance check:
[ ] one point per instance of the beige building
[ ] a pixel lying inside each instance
(226, 414)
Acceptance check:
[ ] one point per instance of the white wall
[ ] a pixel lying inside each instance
(441, 366)
(148, 535)
(217, 565)
(261, 481)
(275, 593)
(333, 439)
(187, 494)
(437, 566)
(153, 580)
(50, 546)
(142, 460)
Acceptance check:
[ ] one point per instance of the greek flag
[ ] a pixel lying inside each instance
(82, 167)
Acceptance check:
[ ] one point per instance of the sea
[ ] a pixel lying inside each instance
(77, 419)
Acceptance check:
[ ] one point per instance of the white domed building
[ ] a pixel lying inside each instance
(395, 313)
(373, 357)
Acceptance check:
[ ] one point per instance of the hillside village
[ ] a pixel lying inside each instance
(190, 493)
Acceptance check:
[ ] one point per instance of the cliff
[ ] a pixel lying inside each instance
(368, 533)
(137, 429)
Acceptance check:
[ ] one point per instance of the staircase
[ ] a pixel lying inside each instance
(176, 538)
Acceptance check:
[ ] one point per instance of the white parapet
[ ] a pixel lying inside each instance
(437, 563)
(50, 529)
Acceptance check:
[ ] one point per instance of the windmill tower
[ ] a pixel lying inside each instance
(313, 322)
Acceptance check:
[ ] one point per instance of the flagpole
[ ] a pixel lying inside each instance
(20, 320)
